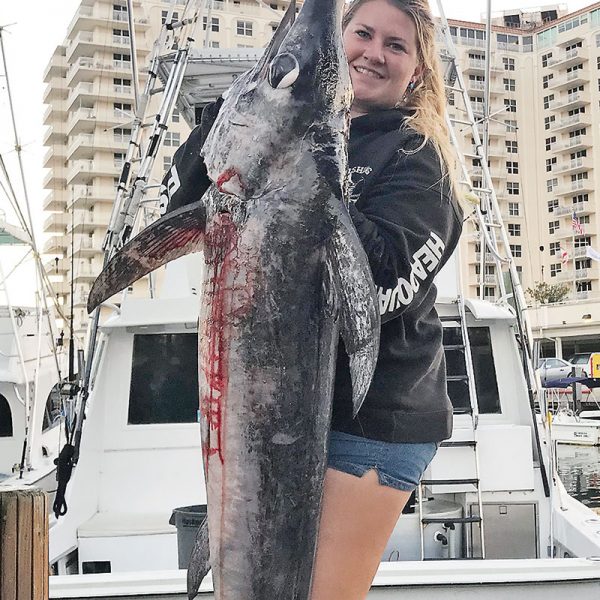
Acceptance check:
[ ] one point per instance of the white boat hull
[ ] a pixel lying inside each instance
(491, 579)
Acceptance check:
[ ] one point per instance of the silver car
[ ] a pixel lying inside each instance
(551, 369)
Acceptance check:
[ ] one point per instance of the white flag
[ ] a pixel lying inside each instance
(591, 253)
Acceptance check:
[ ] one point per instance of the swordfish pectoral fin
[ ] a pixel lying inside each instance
(357, 303)
(176, 234)
(199, 564)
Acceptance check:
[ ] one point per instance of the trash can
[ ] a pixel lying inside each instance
(187, 519)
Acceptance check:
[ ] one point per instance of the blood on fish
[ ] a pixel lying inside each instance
(228, 300)
(225, 177)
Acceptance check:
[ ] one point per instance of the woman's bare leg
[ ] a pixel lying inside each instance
(357, 518)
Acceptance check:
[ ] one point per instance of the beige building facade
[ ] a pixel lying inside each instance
(89, 116)
(544, 133)
(545, 126)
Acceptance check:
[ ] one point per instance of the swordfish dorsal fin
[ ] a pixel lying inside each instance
(176, 234)
(358, 307)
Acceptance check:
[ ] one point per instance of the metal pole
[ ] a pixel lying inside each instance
(488, 63)
(132, 44)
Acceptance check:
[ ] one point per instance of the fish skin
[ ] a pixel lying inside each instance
(285, 276)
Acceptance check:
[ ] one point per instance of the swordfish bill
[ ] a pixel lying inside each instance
(285, 277)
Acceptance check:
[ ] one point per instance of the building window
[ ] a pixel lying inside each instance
(120, 36)
(514, 229)
(513, 209)
(580, 198)
(121, 134)
(555, 269)
(489, 292)
(512, 187)
(119, 159)
(554, 248)
(578, 154)
(122, 61)
(165, 14)
(552, 204)
(511, 105)
(516, 250)
(511, 126)
(582, 241)
(509, 85)
(512, 167)
(244, 28)
(547, 100)
(550, 162)
(172, 138)
(579, 176)
(167, 160)
(545, 58)
(584, 286)
(214, 24)
(509, 64)
(548, 121)
(549, 142)
(175, 115)
(511, 146)
(551, 184)
(575, 68)
(122, 110)
(553, 226)
(121, 86)
(546, 80)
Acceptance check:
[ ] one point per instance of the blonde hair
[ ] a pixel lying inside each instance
(428, 97)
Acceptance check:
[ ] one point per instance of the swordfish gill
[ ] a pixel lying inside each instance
(285, 277)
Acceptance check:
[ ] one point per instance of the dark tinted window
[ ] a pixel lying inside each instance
(164, 379)
(483, 366)
(6, 426)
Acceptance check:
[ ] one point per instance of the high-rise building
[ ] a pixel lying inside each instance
(544, 128)
(89, 118)
(545, 123)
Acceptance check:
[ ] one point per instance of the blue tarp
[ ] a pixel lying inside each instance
(565, 382)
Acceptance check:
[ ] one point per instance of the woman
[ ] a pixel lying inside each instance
(409, 223)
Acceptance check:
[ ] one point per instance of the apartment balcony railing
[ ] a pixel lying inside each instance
(570, 80)
(57, 222)
(561, 211)
(569, 275)
(573, 100)
(568, 58)
(56, 67)
(574, 143)
(572, 122)
(488, 279)
(54, 244)
(575, 164)
(574, 187)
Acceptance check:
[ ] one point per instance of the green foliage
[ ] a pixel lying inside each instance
(547, 293)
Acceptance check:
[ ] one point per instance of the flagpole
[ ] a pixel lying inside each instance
(574, 275)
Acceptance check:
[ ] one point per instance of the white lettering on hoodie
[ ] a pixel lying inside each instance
(425, 262)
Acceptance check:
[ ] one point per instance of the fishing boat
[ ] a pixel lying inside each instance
(492, 492)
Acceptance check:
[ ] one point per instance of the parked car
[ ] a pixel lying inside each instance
(551, 369)
(583, 362)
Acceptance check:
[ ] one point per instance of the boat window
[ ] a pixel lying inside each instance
(164, 379)
(483, 366)
(6, 426)
(52, 411)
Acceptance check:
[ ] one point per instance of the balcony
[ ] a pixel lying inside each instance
(55, 244)
(55, 200)
(54, 157)
(581, 208)
(85, 195)
(572, 79)
(88, 221)
(487, 279)
(575, 100)
(474, 66)
(84, 68)
(55, 90)
(576, 187)
(578, 142)
(567, 59)
(569, 275)
(54, 180)
(575, 165)
(86, 145)
(61, 288)
(57, 266)
(85, 246)
(56, 66)
(81, 120)
(571, 123)
(56, 222)
(57, 111)
(82, 171)
(85, 273)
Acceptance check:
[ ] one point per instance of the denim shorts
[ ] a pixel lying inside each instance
(398, 465)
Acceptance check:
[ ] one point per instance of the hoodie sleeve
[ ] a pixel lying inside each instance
(409, 225)
(186, 180)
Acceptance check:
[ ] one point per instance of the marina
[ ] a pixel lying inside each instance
(109, 437)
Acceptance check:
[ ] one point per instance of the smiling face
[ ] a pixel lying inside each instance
(382, 50)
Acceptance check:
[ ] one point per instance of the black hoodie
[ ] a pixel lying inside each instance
(409, 224)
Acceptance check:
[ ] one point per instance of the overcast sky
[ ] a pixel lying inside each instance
(39, 26)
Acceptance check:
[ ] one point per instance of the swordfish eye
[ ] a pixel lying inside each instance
(283, 71)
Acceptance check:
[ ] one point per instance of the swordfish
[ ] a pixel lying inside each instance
(285, 277)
